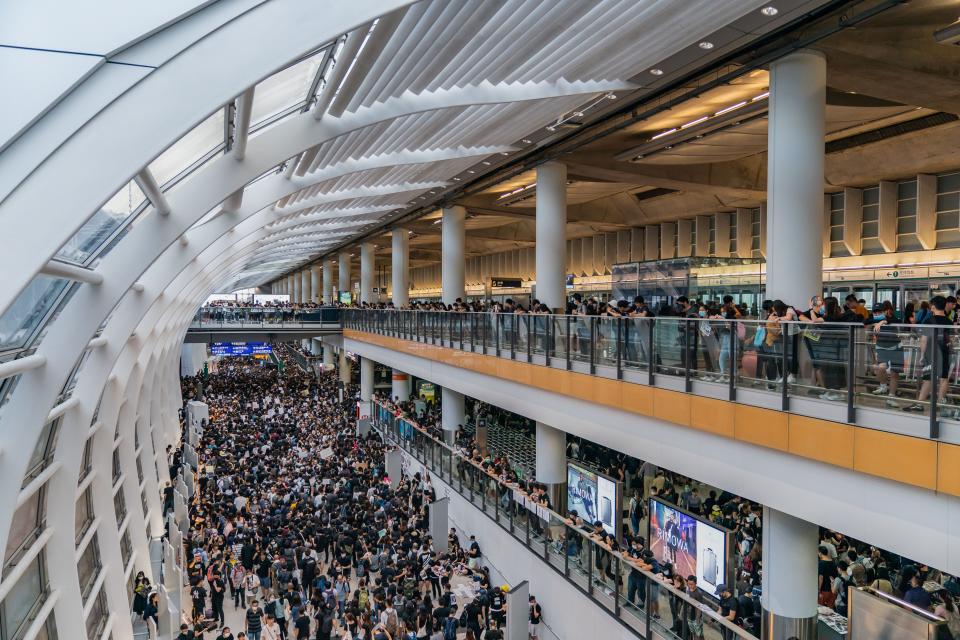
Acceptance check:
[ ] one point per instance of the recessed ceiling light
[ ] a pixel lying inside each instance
(656, 72)
(486, 162)
(525, 141)
(706, 46)
(769, 11)
(457, 179)
(470, 171)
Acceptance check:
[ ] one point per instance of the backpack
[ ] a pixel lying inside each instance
(409, 588)
(392, 623)
(363, 599)
(450, 629)
(463, 618)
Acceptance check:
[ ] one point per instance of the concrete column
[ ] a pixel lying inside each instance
(795, 177)
(400, 271)
(789, 597)
(344, 273)
(316, 347)
(315, 284)
(453, 280)
(400, 388)
(452, 410)
(297, 288)
(328, 281)
(366, 272)
(366, 379)
(551, 244)
(305, 286)
(551, 463)
(344, 367)
(290, 288)
(328, 356)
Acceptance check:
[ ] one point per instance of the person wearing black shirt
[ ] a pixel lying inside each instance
(536, 616)
(826, 573)
(225, 634)
(729, 608)
(494, 632)
(935, 347)
(217, 592)
(199, 597)
(302, 625)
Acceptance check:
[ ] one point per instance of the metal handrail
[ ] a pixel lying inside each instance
(677, 347)
(651, 578)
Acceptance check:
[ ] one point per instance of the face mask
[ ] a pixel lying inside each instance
(879, 317)
(702, 314)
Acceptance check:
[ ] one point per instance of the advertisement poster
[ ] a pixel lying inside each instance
(593, 497)
(690, 545)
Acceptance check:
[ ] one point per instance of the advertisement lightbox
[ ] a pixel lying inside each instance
(692, 545)
(594, 496)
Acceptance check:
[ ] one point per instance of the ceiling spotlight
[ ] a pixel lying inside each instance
(656, 72)
(504, 153)
(470, 171)
(457, 179)
(611, 96)
(525, 141)
(486, 162)
(769, 11)
(578, 114)
(706, 46)
(668, 147)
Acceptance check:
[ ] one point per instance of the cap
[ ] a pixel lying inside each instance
(721, 588)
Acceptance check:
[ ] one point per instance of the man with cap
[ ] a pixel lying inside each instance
(729, 608)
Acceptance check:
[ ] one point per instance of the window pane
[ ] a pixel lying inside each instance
(42, 451)
(116, 465)
(83, 515)
(88, 567)
(87, 461)
(22, 601)
(285, 89)
(19, 323)
(97, 617)
(126, 549)
(24, 529)
(191, 148)
(120, 506)
(98, 229)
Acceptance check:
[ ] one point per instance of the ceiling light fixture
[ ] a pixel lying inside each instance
(732, 107)
(705, 45)
(525, 141)
(504, 153)
(694, 122)
(664, 133)
(656, 72)
(486, 162)
(760, 97)
(470, 171)
(457, 179)
(769, 11)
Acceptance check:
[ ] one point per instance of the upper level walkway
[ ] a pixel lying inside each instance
(214, 324)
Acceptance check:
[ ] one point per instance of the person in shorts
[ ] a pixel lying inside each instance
(536, 617)
(889, 352)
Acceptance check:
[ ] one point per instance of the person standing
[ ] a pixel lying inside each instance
(217, 593)
(254, 620)
(536, 617)
(237, 578)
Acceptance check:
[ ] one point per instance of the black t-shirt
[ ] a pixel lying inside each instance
(303, 625)
(496, 601)
(730, 604)
(493, 634)
(536, 613)
(827, 569)
(474, 549)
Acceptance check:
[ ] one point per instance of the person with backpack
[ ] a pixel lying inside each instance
(450, 625)
(390, 620)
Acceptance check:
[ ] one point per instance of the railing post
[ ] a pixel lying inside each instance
(547, 342)
(785, 369)
(851, 377)
(590, 561)
(616, 591)
(620, 346)
(732, 365)
(594, 332)
(497, 329)
(688, 353)
(513, 336)
(529, 322)
(937, 364)
(483, 327)
(652, 353)
(569, 343)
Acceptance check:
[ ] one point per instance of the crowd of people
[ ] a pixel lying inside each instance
(807, 346)
(296, 524)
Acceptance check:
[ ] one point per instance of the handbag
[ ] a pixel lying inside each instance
(760, 336)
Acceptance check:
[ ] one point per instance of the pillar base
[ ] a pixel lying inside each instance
(449, 437)
(777, 627)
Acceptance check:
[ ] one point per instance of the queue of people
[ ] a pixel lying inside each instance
(295, 527)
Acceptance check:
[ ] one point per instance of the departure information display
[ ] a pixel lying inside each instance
(240, 348)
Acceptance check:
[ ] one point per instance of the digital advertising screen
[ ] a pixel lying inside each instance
(593, 496)
(691, 545)
(240, 348)
(346, 297)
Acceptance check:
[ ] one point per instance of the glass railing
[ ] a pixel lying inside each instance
(251, 317)
(617, 582)
(832, 370)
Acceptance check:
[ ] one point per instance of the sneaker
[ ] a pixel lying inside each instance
(791, 379)
(913, 407)
(891, 401)
(881, 390)
(830, 395)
